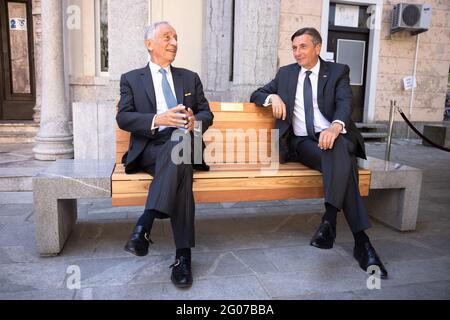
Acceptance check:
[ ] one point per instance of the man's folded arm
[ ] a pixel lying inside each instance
(261, 96)
(128, 119)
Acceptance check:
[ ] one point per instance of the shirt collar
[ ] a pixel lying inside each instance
(315, 70)
(154, 68)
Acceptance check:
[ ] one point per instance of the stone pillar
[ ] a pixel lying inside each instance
(217, 48)
(255, 47)
(36, 5)
(54, 139)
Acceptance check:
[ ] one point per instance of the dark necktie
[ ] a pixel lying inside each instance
(308, 104)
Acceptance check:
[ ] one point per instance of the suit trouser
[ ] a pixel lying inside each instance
(170, 192)
(340, 176)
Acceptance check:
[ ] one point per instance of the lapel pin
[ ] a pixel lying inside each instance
(187, 94)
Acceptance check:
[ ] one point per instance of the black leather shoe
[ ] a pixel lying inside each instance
(139, 242)
(366, 256)
(324, 236)
(181, 272)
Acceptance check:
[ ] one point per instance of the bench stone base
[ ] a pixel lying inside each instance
(393, 197)
(394, 193)
(55, 194)
(439, 134)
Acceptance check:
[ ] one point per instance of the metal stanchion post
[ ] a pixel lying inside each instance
(391, 125)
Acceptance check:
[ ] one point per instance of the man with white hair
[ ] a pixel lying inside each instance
(154, 102)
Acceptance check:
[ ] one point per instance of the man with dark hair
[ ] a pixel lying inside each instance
(154, 102)
(312, 102)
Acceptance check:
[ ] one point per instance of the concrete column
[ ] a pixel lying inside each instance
(54, 139)
(217, 47)
(255, 47)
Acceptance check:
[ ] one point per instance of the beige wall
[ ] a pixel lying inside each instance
(396, 61)
(295, 14)
(187, 19)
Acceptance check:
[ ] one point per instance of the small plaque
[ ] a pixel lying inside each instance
(409, 82)
(18, 24)
(229, 106)
(346, 15)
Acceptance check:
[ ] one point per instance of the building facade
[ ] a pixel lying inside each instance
(62, 68)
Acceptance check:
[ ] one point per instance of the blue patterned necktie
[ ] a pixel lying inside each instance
(168, 94)
(308, 105)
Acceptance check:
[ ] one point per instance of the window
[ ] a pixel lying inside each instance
(101, 39)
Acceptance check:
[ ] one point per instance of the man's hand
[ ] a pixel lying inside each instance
(278, 107)
(172, 117)
(328, 136)
(191, 119)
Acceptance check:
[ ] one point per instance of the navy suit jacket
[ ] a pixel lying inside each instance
(137, 107)
(334, 97)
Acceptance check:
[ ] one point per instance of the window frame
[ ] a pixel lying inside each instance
(98, 51)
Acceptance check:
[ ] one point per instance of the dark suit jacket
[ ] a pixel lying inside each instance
(334, 97)
(137, 107)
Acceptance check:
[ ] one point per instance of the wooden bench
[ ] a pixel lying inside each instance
(241, 180)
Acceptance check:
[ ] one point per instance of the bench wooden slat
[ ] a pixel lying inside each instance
(232, 181)
(234, 171)
(138, 199)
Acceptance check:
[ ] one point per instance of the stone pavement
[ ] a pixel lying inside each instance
(244, 250)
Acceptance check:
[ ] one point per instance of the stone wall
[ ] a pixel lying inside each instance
(254, 47)
(295, 14)
(396, 61)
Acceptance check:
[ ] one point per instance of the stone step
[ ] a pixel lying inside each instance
(19, 126)
(374, 135)
(17, 179)
(16, 137)
(18, 131)
(371, 126)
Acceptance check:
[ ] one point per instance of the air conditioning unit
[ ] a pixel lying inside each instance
(411, 17)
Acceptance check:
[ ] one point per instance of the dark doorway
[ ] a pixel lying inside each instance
(17, 81)
(350, 46)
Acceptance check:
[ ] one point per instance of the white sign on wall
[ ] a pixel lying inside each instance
(17, 24)
(346, 15)
(329, 56)
(409, 82)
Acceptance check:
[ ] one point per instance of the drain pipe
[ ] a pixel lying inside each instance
(411, 101)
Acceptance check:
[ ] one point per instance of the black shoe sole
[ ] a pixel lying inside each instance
(321, 246)
(181, 285)
(135, 253)
(384, 277)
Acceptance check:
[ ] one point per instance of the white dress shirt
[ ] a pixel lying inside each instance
(161, 104)
(298, 120)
